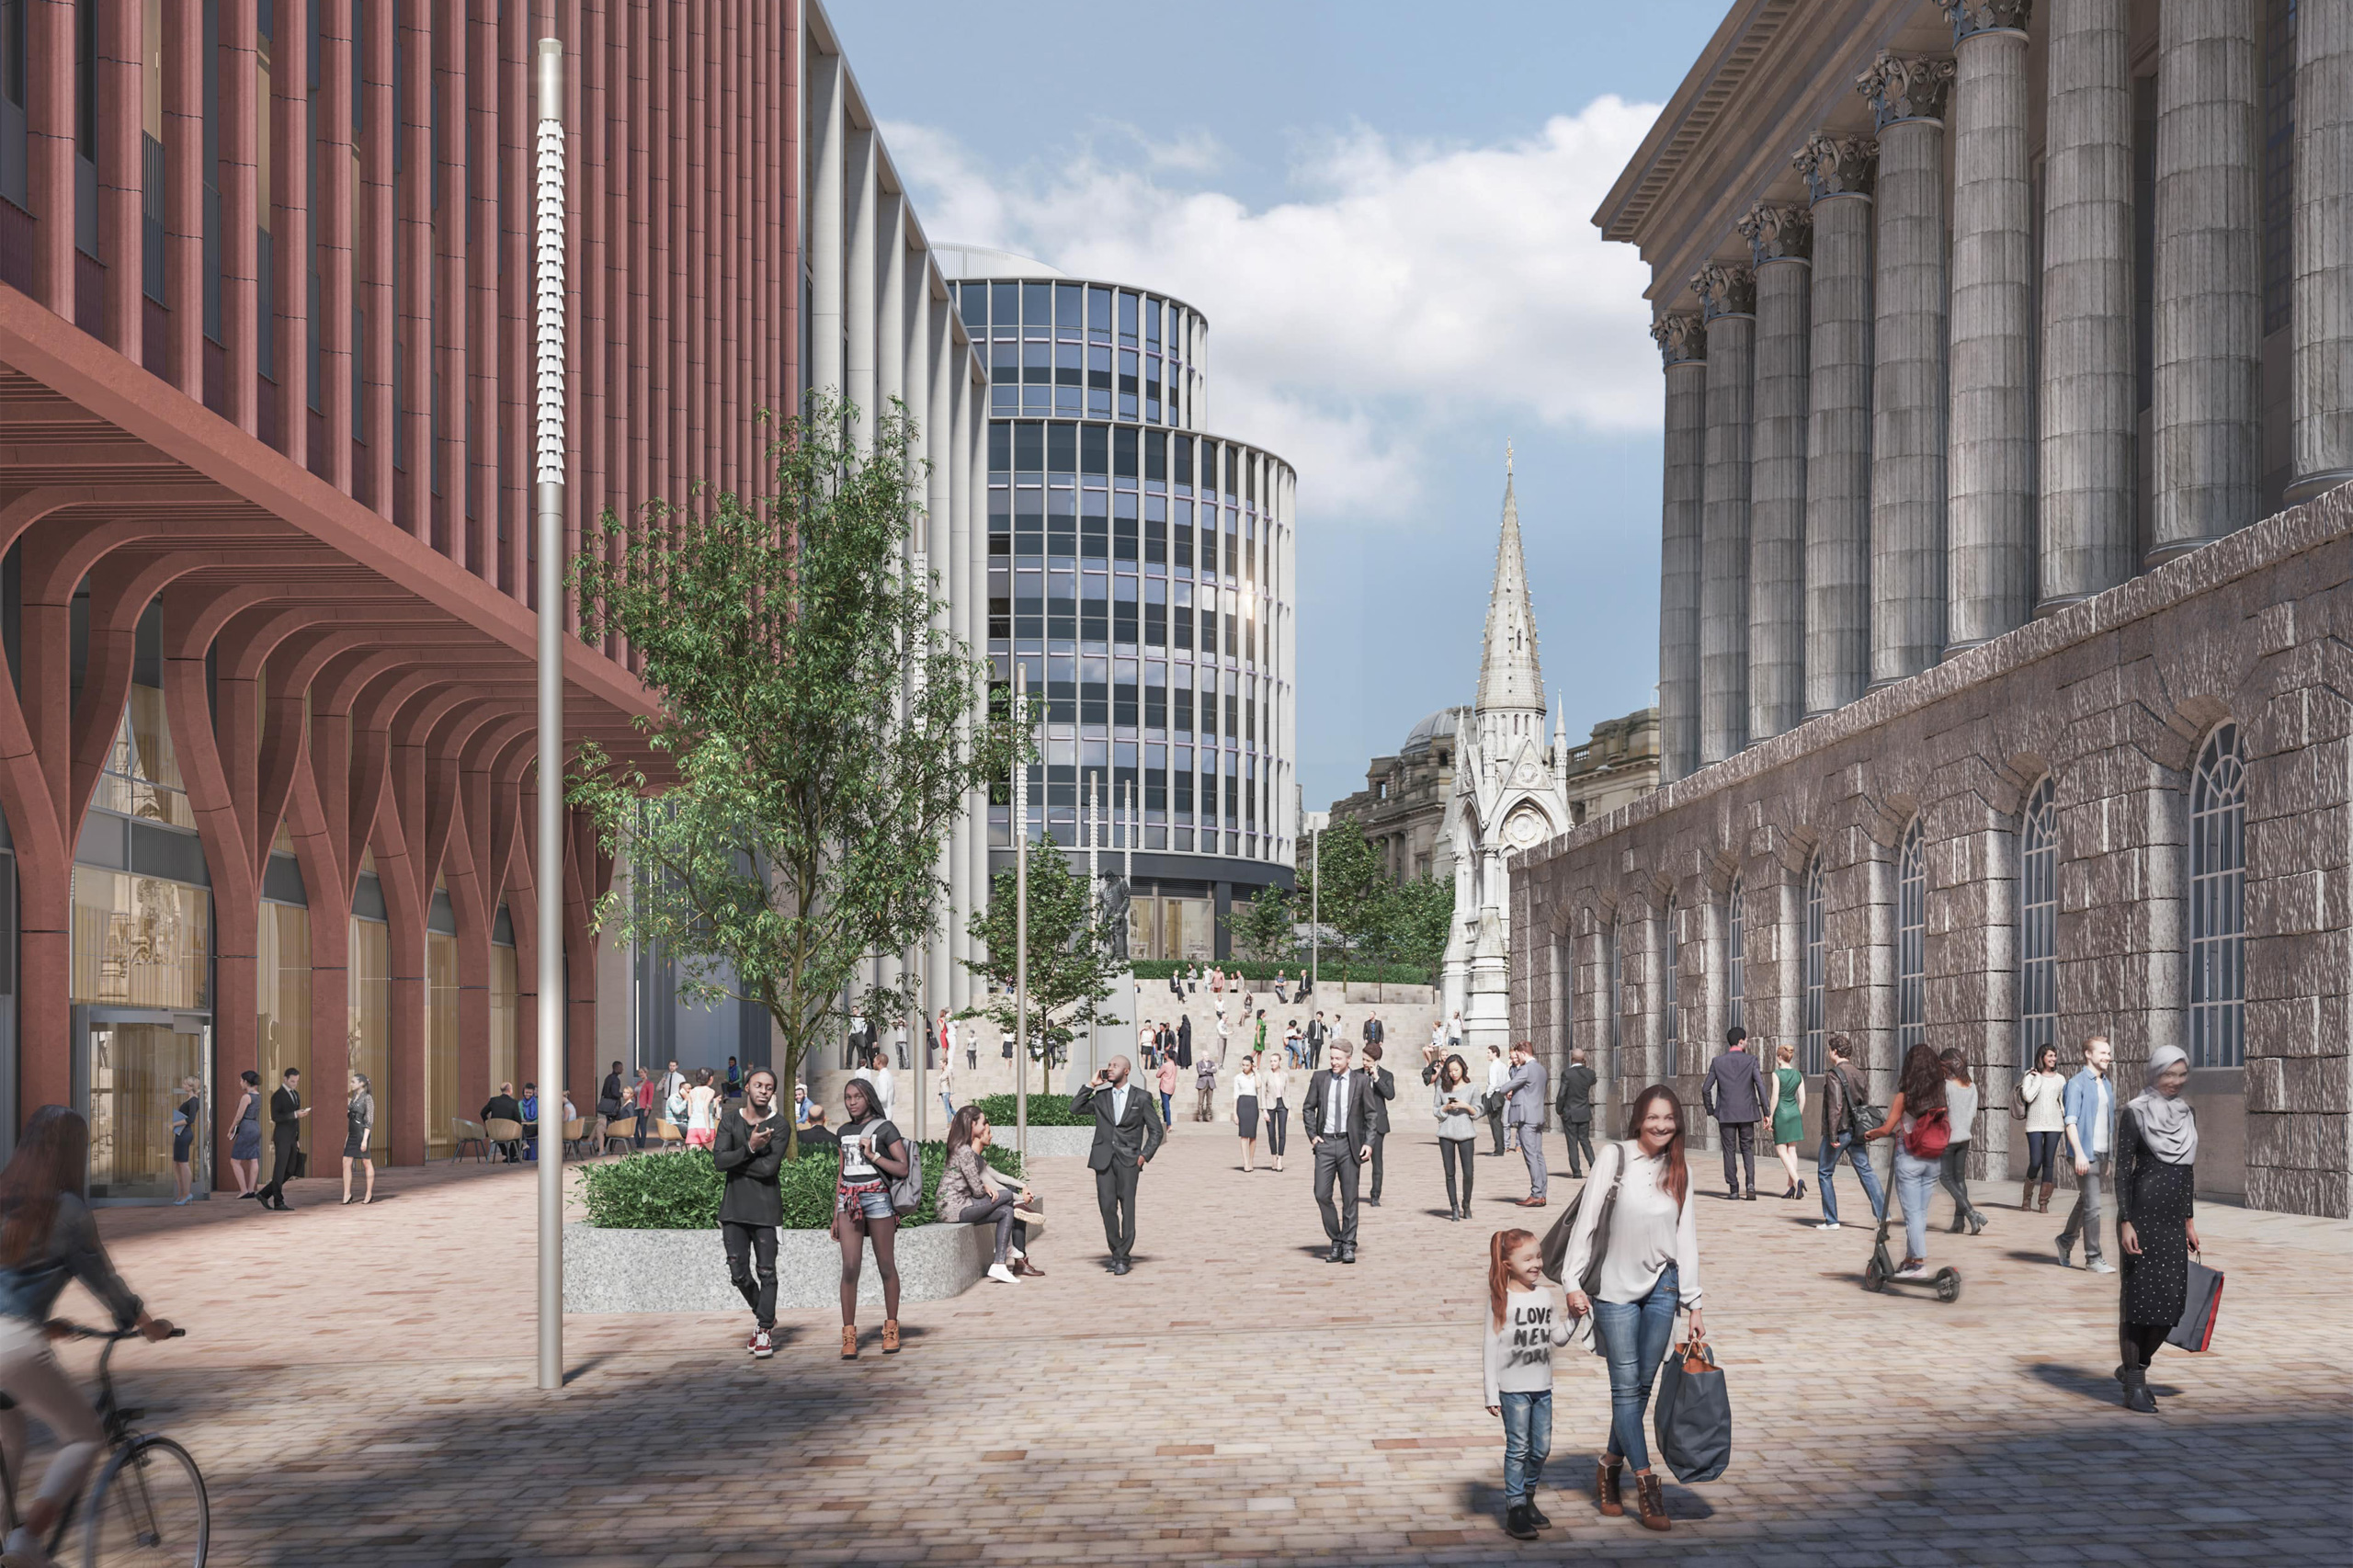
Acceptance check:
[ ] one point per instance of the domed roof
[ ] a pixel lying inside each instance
(1438, 726)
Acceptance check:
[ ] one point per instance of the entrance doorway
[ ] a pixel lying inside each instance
(144, 1079)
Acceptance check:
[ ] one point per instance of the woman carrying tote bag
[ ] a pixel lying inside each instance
(2156, 1181)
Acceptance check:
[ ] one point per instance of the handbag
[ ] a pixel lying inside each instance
(297, 1164)
(1861, 1116)
(1693, 1421)
(1554, 1248)
(2202, 1304)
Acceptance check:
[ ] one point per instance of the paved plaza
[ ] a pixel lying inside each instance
(356, 1386)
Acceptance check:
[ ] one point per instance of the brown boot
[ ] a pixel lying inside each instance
(1650, 1495)
(1604, 1487)
(2025, 1198)
(849, 1342)
(2048, 1187)
(890, 1337)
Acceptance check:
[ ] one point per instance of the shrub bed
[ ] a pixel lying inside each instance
(679, 1190)
(1045, 1110)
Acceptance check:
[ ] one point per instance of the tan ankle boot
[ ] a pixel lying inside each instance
(1605, 1488)
(890, 1337)
(1650, 1495)
(849, 1342)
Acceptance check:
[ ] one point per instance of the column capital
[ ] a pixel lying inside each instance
(1972, 18)
(1681, 339)
(1724, 290)
(1778, 234)
(1837, 166)
(1906, 86)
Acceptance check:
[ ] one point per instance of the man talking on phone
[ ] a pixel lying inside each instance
(1127, 1135)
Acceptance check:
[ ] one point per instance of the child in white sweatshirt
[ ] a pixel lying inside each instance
(1526, 1320)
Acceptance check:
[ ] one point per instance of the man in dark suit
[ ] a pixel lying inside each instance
(1184, 1041)
(1336, 1119)
(1734, 1093)
(502, 1107)
(286, 1113)
(1381, 1088)
(1373, 1033)
(1576, 1106)
(1127, 1135)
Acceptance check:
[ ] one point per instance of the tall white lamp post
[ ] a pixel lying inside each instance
(548, 274)
(1317, 823)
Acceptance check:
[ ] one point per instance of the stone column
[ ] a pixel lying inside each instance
(1909, 341)
(2322, 391)
(1683, 346)
(1728, 306)
(1780, 245)
(1838, 173)
(1990, 561)
(2209, 276)
(2089, 415)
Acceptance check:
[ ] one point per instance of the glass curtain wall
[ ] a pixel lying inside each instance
(282, 989)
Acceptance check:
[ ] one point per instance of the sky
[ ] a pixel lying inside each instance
(1384, 210)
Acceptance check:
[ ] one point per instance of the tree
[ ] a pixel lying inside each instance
(1421, 917)
(1267, 927)
(1353, 888)
(816, 729)
(1070, 959)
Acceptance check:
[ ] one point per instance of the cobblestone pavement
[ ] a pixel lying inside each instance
(356, 1386)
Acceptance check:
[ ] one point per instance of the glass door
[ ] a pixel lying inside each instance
(144, 1082)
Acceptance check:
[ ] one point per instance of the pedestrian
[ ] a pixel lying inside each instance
(1127, 1135)
(1293, 1043)
(2156, 1226)
(1165, 1081)
(244, 1141)
(1454, 1032)
(971, 1194)
(749, 1152)
(643, 1099)
(943, 1035)
(1225, 1038)
(1527, 1321)
(529, 1108)
(731, 1085)
(1918, 1124)
(1339, 1126)
(1734, 1093)
(1524, 1109)
(899, 1043)
(1785, 1112)
(2090, 1104)
(1373, 1031)
(702, 1111)
(972, 1036)
(287, 1113)
(1576, 1106)
(873, 1155)
(184, 1119)
(1314, 1036)
(1258, 1038)
(1498, 1096)
(853, 1044)
(877, 1074)
(360, 1119)
(1244, 1114)
(1379, 1088)
(1456, 1106)
(1184, 1041)
(1649, 1266)
(1438, 1039)
(1961, 1112)
(2040, 1101)
(611, 1104)
(1274, 1106)
(1145, 1041)
(1205, 1086)
(1846, 1117)
(947, 1085)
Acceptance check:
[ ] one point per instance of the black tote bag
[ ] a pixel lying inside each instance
(1693, 1421)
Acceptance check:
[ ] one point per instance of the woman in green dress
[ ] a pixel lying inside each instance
(1785, 1108)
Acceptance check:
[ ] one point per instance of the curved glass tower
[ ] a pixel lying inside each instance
(1140, 567)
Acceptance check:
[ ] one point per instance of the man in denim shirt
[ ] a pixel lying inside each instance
(2090, 1107)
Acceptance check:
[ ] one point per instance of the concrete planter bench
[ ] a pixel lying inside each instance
(1052, 1143)
(685, 1271)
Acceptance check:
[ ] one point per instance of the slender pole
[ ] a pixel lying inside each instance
(1094, 911)
(1316, 914)
(549, 397)
(1021, 915)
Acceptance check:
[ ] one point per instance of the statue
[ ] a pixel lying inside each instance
(1115, 917)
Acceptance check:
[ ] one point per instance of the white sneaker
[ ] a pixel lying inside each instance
(1917, 1271)
(1825, 1224)
(21, 1551)
(1001, 1275)
(763, 1346)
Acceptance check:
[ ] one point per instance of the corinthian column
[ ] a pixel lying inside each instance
(1683, 349)
(2209, 276)
(1779, 244)
(1728, 306)
(2322, 395)
(1838, 176)
(1909, 340)
(2088, 411)
(1989, 563)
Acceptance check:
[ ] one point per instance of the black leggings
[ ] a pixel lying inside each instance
(1278, 1126)
(998, 1211)
(2142, 1340)
(1452, 1153)
(2042, 1150)
(1952, 1170)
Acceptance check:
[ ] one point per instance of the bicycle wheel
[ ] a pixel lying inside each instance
(148, 1510)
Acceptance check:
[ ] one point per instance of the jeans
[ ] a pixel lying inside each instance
(1952, 1170)
(2084, 1218)
(2042, 1153)
(1453, 1153)
(1528, 1442)
(1580, 1136)
(751, 1266)
(1167, 1117)
(947, 1105)
(1634, 1336)
(1851, 1146)
(1738, 1138)
(1915, 1182)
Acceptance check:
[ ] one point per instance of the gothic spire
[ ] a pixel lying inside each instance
(1511, 685)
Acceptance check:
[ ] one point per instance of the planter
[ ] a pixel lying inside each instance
(1054, 1142)
(685, 1271)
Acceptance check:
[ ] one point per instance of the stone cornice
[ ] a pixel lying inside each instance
(1681, 339)
(1902, 88)
(1724, 290)
(1776, 232)
(1837, 166)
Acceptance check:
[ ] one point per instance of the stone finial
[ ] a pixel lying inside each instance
(1682, 340)
(1837, 166)
(1778, 234)
(1903, 87)
(1724, 290)
(1971, 17)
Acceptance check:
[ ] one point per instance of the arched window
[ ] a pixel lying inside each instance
(1670, 959)
(2217, 904)
(1614, 995)
(1809, 1052)
(1910, 940)
(2038, 926)
(1735, 955)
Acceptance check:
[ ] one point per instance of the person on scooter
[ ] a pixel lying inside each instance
(1916, 1118)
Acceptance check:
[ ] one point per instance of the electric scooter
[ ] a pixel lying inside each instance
(1879, 1272)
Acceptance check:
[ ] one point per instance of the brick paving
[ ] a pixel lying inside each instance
(356, 1387)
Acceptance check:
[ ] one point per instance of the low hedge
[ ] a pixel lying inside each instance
(679, 1190)
(1045, 1110)
(1333, 972)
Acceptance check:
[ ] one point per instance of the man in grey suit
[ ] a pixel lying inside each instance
(1524, 1096)
(1127, 1135)
(1338, 1120)
(1733, 1094)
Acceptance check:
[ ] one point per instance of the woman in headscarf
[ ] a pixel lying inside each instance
(2156, 1177)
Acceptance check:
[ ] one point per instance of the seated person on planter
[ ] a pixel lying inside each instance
(965, 1197)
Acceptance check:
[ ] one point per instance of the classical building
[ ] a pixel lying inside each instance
(1997, 694)
(1141, 566)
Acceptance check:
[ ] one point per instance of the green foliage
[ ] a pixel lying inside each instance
(1421, 916)
(1267, 927)
(812, 747)
(1045, 1110)
(1381, 926)
(1070, 964)
(680, 1190)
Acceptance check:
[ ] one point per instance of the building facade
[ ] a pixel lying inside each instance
(1997, 697)
(1140, 567)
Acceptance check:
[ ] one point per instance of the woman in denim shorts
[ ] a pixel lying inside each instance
(873, 1155)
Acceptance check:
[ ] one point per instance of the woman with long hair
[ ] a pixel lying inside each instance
(971, 1194)
(873, 1155)
(2040, 1101)
(1455, 1105)
(1525, 1324)
(47, 1237)
(1785, 1109)
(1917, 1123)
(1649, 1266)
(1961, 1111)
(359, 1118)
(185, 1118)
(1274, 1105)
(244, 1140)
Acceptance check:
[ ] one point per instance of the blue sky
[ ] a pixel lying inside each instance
(1383, 210)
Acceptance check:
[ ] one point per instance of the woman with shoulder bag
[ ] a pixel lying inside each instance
(873, 1155)
(1921, 1129)
(1649, 1265)
(2040, 1101)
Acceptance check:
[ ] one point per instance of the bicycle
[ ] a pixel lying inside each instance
(147, 1508)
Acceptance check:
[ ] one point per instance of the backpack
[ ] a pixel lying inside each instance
(1926, 1137)
(907, 1191)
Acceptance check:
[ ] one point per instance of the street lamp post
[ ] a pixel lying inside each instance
(1020, 915)
(1316, 822)
(549, 391)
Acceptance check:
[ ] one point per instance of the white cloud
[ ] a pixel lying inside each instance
(1410, 293)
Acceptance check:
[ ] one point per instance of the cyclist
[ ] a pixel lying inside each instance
(47, 1237)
